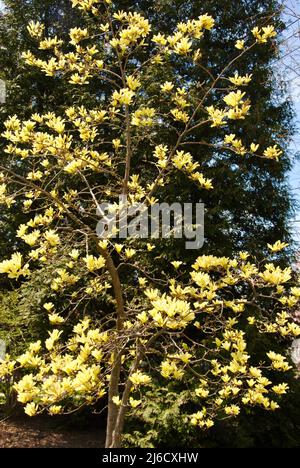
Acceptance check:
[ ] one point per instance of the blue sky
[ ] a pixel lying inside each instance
(289, 69)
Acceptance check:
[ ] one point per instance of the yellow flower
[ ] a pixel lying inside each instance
(50, 43)
(244, 255)
(143, 317)
(138, 378)
(176, 265)
(251, 320)
(32, 238)
(130, 253)
(183, 47)
(133, 83)
(278, 361)
(273, 152)
(35, 175)
(77, 34)
(53, 338)
(217, 116)
(234, 98)
(87, 5)
(31, 409)
(232, 410)
(202, 392)
(77, 79)
(119, 248)
(170, 370)
(122, 97)
(94, 263)
(116, 400)
(160, 39)
(13, 267)
(274, 406)
(262, 35)
(52, 238)
(180, 115)
(143, 117)
(56, 319)
(240, 44)
(167, 87)
(280, 389)
(36, 29)
(103, 244)
(206, 21)
(142, 282)
(278, 246)
(55, 409)
(134, 403)
(74, 254)
(276, 275)
(48, 306)
(240, 80)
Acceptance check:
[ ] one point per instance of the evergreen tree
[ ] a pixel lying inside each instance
(252, 203)
(27, 90)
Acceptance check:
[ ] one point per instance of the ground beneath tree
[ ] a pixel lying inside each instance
(47, 433)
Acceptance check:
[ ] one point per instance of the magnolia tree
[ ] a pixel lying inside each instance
(184, 326)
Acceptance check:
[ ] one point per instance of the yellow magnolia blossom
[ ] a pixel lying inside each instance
(240, 80)
(280, 389)
(116, 400)
(143, 317)
(53, 338)
(31, 409)
(138, 378)
(130, 253)
(56, 319)
(94, 263)
(35, 29)
(234, 98)
(13, 267)
(55, 409)
(235, 144)
(254, 147)
(232, 410)
(122, 97)
(200, 419)
(170, 370)
(278, 246)
(180, 115)
(278, 361)
(87, 5)
(133, 83)
(240, 44)
(134, 403)
(77, 35)
(176, 264)
(143, 117)
(52, 238)
(273, 152)
(202, 392)
(167, 87)
(183, 47)
(217, 116)
(262, 35)
(275, 275)
(160, 39)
